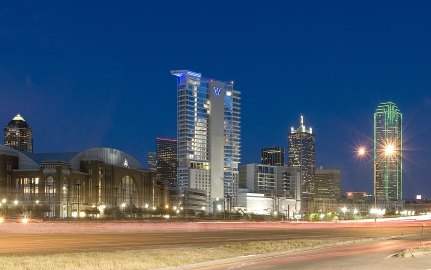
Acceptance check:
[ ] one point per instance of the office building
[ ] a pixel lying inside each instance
(272, 181)
(18, 135)
(302, 154)
(208, 134)
(166, 153)
(266, 189)
(388, 150)
(152, 161)
(327, 184)
(273, 156)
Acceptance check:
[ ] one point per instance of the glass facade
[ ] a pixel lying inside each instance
(202, 102)
(388, 181)
(327, 183)
(273, 156)
(166, 160)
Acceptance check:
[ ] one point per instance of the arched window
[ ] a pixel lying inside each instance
(127, 192)
(49, 195)
(49, 185)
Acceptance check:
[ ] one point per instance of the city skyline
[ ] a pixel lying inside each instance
(105, 82)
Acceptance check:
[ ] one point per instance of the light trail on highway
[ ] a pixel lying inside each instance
(48, 238)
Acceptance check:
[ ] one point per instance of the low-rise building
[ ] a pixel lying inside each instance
(97, 181)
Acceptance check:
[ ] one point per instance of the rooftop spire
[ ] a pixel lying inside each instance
(18, 117)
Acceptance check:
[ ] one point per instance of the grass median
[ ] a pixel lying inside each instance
(151, 259)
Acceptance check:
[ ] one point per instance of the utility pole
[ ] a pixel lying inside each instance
(78, 185)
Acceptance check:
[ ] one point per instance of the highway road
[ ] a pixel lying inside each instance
(28, 242)
(370, 255)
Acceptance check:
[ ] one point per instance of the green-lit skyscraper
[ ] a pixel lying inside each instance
(388, 149)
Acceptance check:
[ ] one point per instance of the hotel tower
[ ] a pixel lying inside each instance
(208, 136)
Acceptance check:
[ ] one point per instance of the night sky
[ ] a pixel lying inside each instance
(97, 73)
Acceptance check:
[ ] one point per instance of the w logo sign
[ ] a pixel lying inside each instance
(217, 91)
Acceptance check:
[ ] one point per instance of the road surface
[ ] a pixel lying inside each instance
(372, 255)
(30, 242)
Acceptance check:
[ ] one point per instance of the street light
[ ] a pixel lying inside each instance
(344, 209)
(78, 187)
(361, 151)
(389, 149)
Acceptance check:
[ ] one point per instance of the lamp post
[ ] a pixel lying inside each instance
(123, 205)
(78, 186)
(49, 199)
(66, 189)
(344, 210)
(116, 201)
(3, 202)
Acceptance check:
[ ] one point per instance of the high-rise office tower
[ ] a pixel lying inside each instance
(388, 148)
(18, 135)
(327, 184)
(302, 154)
(208, 134)
(166, 153)
(273, 156)
(152, 161)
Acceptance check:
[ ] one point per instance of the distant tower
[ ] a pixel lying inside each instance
(327, 184)
(302, 154)
(18, 135)
(273, 156)
(388, 147)
(166, 155)
(152, 161)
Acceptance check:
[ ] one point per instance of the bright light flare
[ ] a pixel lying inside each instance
(1, 220)
(389, 150)
(362, 151)
(24, 220)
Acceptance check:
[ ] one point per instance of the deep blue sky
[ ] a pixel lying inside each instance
(96, 73)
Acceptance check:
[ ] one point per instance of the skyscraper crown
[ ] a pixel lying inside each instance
(18, 122)
(302, 127)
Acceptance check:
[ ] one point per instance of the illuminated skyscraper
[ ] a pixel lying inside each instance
(327, 184)
(388, 147)
(208, 133)
(302, 154)
(273, 156)
(18, 135)
(152, 161)
(166, 160)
